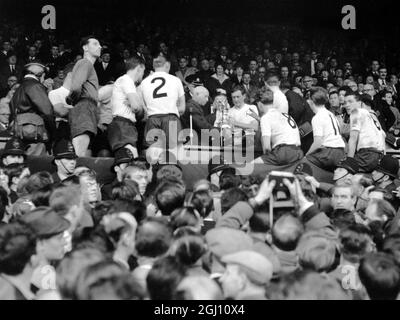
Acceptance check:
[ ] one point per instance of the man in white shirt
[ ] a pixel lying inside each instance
(126, 103)
(327, 149)
(243, 117)
(280, 134)
(366, 145)
(281, 103)
(164, 99)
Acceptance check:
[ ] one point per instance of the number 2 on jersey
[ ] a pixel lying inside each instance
(156, 93)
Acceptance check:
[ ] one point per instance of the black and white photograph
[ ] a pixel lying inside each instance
(199, 150)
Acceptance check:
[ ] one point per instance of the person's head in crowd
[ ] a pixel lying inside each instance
(360, 87)
(334, 100)
(135, 68)
(137, 172)
(183, 63)
(345, 170)
(352, 101)
(369, 90)
(49, 228)
(18, 245)
(153, 238)
(12, 58)
(185, 217)
(339, 73)
(230, 197)
(189, 251)
(307, 82)
(16, 172)
(220, 101)
(198, 287)
(6, 46)
(286, 232)
(170, 195)
(219, 69)
(4, 113)
(200, 95)
(239, 70)
(81, 169)
(355, 242)
(380, 276)
(386, 171)
(121, 230)
(307, 285)
(14, 152)
(64, 158)
(216, 167)
(205, 65)
(339, 81)
(246, 275)
(68, 202)
(352, 85)
(122, 158)
(387, 96)
(90, 187)
(343, 197)
(272, 79)
(107, 280)
(391, 245)
(342, 93)
(71, 267)
(91, 47)
(379, 210)
(164, 278)
(193, 62)
(126, 190)
(202, 201)
(284, 72)
(382, 72)
(246, 78)
(136, 208)
(318, 251)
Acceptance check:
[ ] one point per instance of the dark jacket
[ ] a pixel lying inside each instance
(104, 75)
(198, 118)
(32, 97)
(299, 109)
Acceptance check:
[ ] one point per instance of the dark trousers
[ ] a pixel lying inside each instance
(368, 159)
(327, 158)
(283, 155)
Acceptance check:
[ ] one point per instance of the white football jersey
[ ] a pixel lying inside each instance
(161, 92)
(370, 131)
(281, 127)
(325, 125)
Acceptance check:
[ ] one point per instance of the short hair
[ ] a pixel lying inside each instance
(85, 41)
(345, 185)
(239, 88)
(202, 202)
(286, 232)
(199, 287)
(164, 278)
(354, 242)
(41, 196)
(170, 195)
(183, 217)
(153, 238)
(266, 96)
(160, 60)
(272, 74)
(14, 170)
(189, 249)
(17, 246)
(125, 190)
(384, 208)
(107, 279)
(380, 276)
(64, 198)
(230, 197)
(259, 222)
(319, 96)
(71, 266)
(132, 167)
(39, 180)
(136, 208)
(353, 93)
(229, 179)
(132, 62)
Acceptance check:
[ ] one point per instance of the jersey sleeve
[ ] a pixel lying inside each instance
(318, 127)
(127, 85)
(355, 121)
(266, 129)
(181, 91)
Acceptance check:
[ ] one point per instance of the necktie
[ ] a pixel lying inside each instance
(12, 68)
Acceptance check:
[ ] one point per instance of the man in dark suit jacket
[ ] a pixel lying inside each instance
(104, 69)
(10, 68)
(194, 107)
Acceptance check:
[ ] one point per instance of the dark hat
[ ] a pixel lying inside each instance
(45, 221)
(389, 165)
(64, 150)
(194, 80)
(303, 168)
(14, 147)
(168, 170)
(217, 164)
(122, 155)
(350, 165)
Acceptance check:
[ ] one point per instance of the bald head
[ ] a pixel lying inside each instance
(200, 95)
(286, 232)
(35, 69)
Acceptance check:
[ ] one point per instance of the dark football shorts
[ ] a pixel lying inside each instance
(368, 159)
(327, 158)
(83, 118)
(169, 124)
(283, 155)
(121, 131)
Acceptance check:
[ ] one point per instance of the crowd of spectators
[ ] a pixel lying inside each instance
(146, 235)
